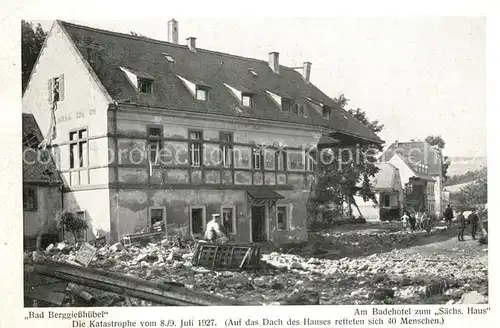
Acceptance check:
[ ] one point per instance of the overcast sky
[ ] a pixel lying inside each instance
(418, 76)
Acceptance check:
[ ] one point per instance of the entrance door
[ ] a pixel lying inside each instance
(259, 223)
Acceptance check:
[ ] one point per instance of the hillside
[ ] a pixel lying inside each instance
(460, 165)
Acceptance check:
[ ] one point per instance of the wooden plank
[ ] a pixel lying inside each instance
(215, 257)
(167, 294)
(242, 264)
(44, 293)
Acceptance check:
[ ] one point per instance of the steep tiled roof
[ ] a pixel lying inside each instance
(107, 51)
(415, 152)
(38, 165)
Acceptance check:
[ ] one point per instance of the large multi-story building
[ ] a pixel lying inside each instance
(149, 132)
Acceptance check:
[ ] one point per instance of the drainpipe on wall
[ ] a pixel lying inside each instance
(115, 146)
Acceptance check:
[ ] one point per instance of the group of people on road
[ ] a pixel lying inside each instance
(417, 221)
(423, 221)
(472, 219)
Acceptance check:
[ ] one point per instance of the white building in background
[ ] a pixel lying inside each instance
(389, 193)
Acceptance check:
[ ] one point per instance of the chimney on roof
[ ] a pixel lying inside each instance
(191, 43)
(306, 71)
(274, 61)
(173, 31)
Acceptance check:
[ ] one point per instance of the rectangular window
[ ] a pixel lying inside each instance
(282, 217)
(326, 112)
(387, 200)
(310, 161)
(56, 88)
(202, 94)
(226, 148)
(257, 158)
(197, 220)
(157, 217)
(229, 219)
(145, 86)
(30, 200)
(78, 149)
(195, 148)
(280, 160)
(246, 100)
(286, 104)
(155, 142)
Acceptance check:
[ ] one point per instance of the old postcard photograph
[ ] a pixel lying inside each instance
(178, 170)
(264, 162)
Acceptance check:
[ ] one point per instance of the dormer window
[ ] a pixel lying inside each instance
(168, 57)
(253, 72)
(326, 112)
(201, 93)
(246, 100)
(145, 86)
(286, 104)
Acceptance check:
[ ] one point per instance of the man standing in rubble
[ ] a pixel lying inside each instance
(215, 232)
(474, 222)
(461, 225)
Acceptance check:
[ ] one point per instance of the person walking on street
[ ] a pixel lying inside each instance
(448, 215)
(461, 225)
(474, 222)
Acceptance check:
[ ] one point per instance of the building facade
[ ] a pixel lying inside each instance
(42, 186)
(150, 133)
(389, 195)
(418, 186)
(425, 160)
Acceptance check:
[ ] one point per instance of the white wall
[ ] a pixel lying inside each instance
(404, 171)
(84, 105)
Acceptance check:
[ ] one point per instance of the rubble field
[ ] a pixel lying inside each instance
(368, 264)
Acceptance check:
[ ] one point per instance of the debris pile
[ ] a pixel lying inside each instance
(400, 276)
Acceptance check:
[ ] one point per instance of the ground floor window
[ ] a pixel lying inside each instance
(30, 200)
(157, 217)
(282, 217)
(229, 219)
(197, 220)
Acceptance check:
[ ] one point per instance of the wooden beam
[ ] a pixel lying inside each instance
(161, 293)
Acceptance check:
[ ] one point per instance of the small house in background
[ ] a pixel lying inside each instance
(422, 163)
(42, 186)
(389, 194)
(418, 185)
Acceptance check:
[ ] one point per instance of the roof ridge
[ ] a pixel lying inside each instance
(152, 40)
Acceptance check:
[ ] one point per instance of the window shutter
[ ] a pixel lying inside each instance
(49, 87)
(61, 87)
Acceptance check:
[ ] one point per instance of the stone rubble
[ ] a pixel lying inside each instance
(399, 276)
